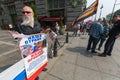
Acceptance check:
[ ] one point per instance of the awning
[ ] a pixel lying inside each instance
(46, 19)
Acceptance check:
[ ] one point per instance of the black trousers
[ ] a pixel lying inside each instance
(109, 45)
(92, 42)
(101, 42)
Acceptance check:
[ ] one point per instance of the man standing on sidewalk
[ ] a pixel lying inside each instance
(96, 29)
(113, 35)
(29, 26)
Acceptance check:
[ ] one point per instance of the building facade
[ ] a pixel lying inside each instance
(11, 9)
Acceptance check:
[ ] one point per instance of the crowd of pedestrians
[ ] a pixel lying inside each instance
(76, 29)
(100, 32)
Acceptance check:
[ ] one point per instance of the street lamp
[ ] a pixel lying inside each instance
(112, 11)
(101, 10)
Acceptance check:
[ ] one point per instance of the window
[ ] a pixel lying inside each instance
(12, 9)
(56, 13)
(56, 4)
(56, 8)
(29, 3)
(12, 13)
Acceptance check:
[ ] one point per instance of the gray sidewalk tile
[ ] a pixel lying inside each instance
(9, 60)
(67, 57)
(51, 77)
(86, 74)
(107, 65)
(109, 77)
(63, 70)
(5, 48)
(116, 58)
(87, 62)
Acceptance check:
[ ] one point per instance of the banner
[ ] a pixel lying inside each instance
(91, 10)
(51, 36)
(34, 53)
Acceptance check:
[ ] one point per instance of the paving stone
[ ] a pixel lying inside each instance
(86, 74)
(62, 71)
(8, 60)
(109, 77)
(107, 65)
(5, 48)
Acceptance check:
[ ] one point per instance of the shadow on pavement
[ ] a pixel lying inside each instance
(2, 68)
(81, 51)
(86, 53)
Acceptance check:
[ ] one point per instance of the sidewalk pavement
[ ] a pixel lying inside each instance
(9, 51)
(75, 63)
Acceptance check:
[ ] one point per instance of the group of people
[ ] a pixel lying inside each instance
(80, 28)
(100, 31)
(76, 29)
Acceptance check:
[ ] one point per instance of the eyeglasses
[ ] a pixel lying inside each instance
(26, 12)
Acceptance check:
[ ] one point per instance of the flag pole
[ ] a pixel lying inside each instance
(112, 11)
(101, 10)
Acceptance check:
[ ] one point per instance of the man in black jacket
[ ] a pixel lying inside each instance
(113, 35)
(28, 25)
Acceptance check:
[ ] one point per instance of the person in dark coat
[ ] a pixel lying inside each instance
(104, 35)
(96, 29)
(113, 35)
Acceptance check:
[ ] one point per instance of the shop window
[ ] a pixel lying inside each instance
(29, 3)
(12, 9)
(55, 4)
(56, 8)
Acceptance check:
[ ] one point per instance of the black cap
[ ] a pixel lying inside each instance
(116, 14)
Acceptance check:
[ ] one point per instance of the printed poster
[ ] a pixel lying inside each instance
(34, 52)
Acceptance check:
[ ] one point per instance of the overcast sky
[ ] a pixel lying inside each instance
(107, 7)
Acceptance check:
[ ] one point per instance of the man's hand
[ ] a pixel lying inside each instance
(15, 34)
(47, 30)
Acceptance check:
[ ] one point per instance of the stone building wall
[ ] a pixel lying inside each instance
(70, 12)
